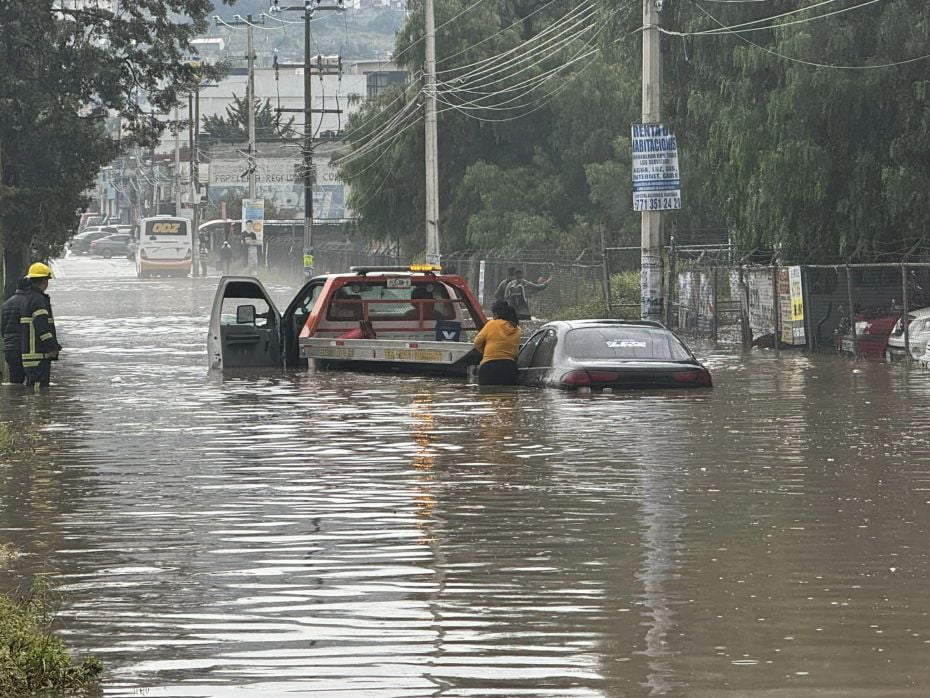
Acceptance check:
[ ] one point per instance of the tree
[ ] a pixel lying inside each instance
(234, 127)
(62, 71)
(778, 146)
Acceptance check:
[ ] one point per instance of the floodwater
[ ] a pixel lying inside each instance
(343, 534)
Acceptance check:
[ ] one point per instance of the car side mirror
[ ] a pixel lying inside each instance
(245, 315)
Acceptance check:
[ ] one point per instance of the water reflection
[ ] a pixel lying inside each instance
(291, 533)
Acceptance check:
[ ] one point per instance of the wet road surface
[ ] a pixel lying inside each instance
(343, 534)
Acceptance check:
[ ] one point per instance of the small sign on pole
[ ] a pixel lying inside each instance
(481, 266)
(253, 221)
(656, 180)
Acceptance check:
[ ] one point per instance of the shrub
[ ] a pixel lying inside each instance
(32, 659)
(624, 289)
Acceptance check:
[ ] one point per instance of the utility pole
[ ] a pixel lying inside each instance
(651, 272)
(177, 163)
(251, 98)
(308, 8)
(432, 144)
(250, 94)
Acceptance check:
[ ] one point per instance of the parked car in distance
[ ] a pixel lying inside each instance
(111, 245)
(873, 330)
(918, 334)
(616, 354)
(80, 243)
(91, 218)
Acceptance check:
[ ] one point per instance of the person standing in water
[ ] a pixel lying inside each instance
(499, 343)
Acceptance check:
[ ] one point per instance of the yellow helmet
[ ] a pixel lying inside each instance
(39, 271)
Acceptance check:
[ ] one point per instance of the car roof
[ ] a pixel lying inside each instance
(919, 313)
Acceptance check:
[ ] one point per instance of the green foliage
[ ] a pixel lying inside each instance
(813, 162)
(624, 300)
(270, 126)
(13, 441)
(32, 659)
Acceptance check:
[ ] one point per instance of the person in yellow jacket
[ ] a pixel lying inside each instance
(499, 343)
(39, 341)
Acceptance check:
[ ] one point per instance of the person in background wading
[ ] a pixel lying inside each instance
(10, 327)
(519, 290)
(226, 255)
(501, 292)
(499, 343)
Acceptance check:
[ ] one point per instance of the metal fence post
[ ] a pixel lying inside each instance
(605, 262)
(672, 281)
(776, 312)
(904, 318)
(852, 311)
(716, 315)
(744, 326)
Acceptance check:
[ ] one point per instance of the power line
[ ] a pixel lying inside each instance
(746, 26)
(814, 64)
(566, 18)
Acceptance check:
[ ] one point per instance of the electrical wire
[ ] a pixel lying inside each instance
(495, 66)
(383, 137)
(739, 27)
(567, 17)
(437, 28)
(497, 33)
(815, 64)
(542, 58)
(535, 81)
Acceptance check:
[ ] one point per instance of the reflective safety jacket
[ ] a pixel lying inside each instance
(38, 327)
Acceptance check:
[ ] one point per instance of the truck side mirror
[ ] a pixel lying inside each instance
(245, 315)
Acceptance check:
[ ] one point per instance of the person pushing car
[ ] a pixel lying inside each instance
(39, 342)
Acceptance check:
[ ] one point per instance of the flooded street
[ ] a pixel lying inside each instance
(344, 534)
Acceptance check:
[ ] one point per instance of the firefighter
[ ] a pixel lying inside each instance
(12, 336)
(39, 342)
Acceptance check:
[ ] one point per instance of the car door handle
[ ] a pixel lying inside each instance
(243, 339)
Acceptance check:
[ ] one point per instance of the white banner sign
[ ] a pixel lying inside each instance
(656, 180)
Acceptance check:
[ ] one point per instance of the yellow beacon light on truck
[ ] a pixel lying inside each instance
(425, 267)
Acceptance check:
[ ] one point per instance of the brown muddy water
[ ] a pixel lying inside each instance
(342, 534)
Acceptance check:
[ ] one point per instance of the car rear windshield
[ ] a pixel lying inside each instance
(641, 343)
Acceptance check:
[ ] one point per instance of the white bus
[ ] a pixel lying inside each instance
(165, 247)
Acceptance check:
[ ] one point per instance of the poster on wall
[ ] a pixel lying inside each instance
(253, 220)
(796, 300)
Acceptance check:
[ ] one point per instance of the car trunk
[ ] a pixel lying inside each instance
(636, 374)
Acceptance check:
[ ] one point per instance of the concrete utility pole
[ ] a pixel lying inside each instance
(309, 7)
(177, 163)
(432, 143)
(651, 272)
(251, 99)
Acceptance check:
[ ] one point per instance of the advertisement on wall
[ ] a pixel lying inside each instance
(278, 182)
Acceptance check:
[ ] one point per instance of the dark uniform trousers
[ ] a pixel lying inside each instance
(14, 362)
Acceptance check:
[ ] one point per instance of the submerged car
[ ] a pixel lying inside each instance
(609, 354)
(918, 334)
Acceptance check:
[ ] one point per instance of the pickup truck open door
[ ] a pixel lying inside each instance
(245, 326)
(262, 337)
